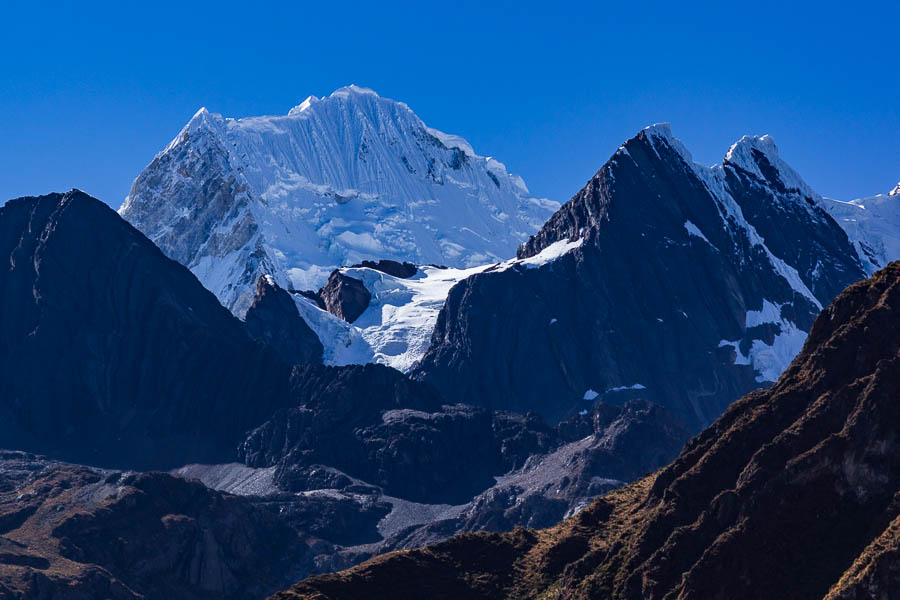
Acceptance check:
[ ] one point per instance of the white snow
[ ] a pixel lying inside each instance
(636, 386)
(741, 154)
(590, 395)
(552, 252)
(452, 141)
(769, 360)
(695, 231)
(770, 313)
(338, 180)
(872, 226)
(395, 329)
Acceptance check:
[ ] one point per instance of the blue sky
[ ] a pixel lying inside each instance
(88, 95)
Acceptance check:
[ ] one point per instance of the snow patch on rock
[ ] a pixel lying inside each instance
(695, 231)
(769, 360)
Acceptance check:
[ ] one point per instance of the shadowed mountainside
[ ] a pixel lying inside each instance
(73, 532)
(791, 493)
(694, 285)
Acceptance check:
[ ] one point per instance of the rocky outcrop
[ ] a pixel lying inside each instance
(374, 424)
(686, 284)
(791, 493)
(273, 320)
(621, 445)
(625, 444)
(344, 296)
(79, 533)
(113, 354)
(404, 270)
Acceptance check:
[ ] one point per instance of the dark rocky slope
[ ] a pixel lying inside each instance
(113, 354)
(404, 270)
(344, 297)
(78, 533)
(445, 455)
(791, 493)
(273, 319)
(690, 283)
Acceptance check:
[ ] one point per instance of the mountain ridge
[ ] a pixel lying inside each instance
(654, 238)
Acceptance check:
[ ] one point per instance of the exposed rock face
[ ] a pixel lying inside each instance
(625, 444)
(113, 354)
(273, 319)
(621, 445)
(404, 270)
(74, 532)
(691, 284)
(791, 493)
(344, 296)
(374, 424)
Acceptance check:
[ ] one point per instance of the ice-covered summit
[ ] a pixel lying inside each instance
(873, 226)
(758, 157)
(340, 179)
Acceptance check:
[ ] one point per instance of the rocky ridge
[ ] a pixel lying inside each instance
(685, 284)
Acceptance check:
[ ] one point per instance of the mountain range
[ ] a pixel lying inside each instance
(345, 332)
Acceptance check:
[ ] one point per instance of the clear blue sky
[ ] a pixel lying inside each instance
(89, 95)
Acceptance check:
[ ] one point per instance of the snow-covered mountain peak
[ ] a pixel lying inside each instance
(340, 179)
(661, 133)
(202, 120)
(303, 105)
(757, 156)
(348, 90)
(741, 152)
(663, 130)
(873, 226)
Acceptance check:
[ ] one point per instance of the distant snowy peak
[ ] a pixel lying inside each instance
(873, 226)
(341, 179)
(758, 156)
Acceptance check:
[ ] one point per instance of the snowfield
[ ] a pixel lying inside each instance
(396, 328)
(873, 226)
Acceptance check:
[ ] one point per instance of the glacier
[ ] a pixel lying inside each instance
(396, 327)
(340, 179)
